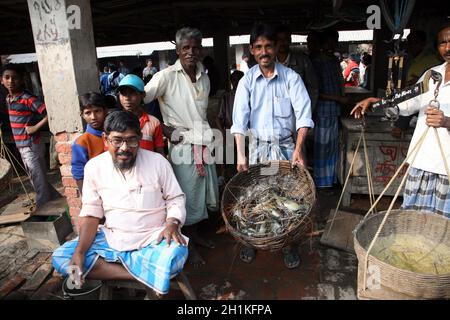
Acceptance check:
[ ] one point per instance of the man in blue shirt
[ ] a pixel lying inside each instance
(104, 86)
(273, 104)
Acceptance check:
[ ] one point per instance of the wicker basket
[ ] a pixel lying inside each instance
(305, 189)
(5, 174)
(417, 285)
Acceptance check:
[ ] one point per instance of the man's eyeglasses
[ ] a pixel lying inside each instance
(132, 142)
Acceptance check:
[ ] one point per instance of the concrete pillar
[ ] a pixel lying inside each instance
(380, 57)
(65, 48)
(221, 48)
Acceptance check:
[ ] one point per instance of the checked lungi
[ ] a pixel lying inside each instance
(153, 265)
(264, 151)
(326, 151)
(427, 191)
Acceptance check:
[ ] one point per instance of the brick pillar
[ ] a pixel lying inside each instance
(65, 49)
(63, 147)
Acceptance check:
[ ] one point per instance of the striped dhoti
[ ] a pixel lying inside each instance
(153, 265)
(427, 191)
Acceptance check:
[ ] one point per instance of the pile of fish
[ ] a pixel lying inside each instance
(413, 253)
(267, 208)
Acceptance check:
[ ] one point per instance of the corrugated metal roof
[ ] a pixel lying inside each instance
(21, 58)
(344, 36)
(139, 49)
(145, 49)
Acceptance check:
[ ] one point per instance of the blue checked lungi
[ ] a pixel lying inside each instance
(153, 265)
(427, 191)
(263, 151)
(326, 151)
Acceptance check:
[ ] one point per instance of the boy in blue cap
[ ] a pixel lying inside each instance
(131, 98)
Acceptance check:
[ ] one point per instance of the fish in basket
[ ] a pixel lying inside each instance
(411, 256)
(265, 211)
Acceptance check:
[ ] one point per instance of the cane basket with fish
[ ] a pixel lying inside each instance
(270, 205)
(411, 255)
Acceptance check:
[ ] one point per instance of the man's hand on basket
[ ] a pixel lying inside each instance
(242, 164)
(298, 159)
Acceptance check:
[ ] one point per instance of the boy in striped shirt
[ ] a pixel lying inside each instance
(27, 115)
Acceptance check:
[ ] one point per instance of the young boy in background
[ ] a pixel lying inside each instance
(28, 116)
(131, 98)
(93, 108)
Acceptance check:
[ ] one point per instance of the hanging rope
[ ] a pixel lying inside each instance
(6, 154)
(366, 258)
(368, 173)
(393, 178)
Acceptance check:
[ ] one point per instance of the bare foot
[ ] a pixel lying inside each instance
(291, 257)
(247, 254)
(194, 257)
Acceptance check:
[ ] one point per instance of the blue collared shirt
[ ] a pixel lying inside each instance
(272, 108)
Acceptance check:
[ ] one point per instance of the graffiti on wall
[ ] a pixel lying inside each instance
(47, 25)
(388, 160)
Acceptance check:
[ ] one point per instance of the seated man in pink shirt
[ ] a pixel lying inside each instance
(136, 191)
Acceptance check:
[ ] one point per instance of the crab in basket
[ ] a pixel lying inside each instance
(264, 211)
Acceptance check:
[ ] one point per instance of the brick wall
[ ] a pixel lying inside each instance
(63, 147)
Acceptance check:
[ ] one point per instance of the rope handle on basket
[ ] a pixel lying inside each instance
(5, 152)
(419, 144)
(366, 258)
(437, 105)
(368, 174)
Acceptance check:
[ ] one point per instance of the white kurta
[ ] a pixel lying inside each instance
(135, 204)
(429, 157)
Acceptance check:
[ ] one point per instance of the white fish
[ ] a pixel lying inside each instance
(288, 203)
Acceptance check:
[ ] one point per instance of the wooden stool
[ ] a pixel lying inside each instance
(179, 282)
